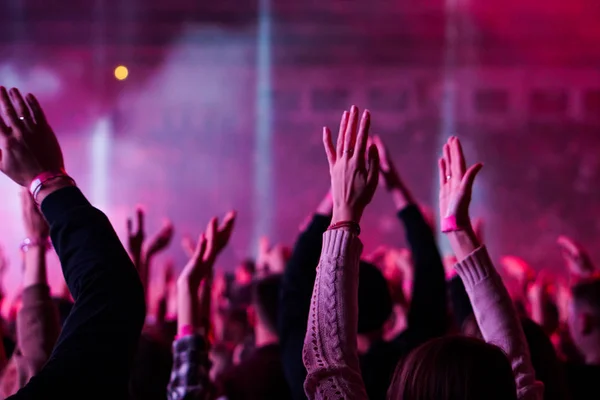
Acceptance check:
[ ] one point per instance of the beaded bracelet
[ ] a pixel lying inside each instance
(346, 224)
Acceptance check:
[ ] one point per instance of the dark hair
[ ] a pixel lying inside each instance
(248, 265)
(374, 299)
(265, 298)
(588, 292)
(545, 361)
(454, 367)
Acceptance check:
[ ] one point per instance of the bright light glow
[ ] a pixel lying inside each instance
(121, 72)
(100, 145)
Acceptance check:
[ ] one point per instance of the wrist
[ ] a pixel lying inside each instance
(401, 197)
(463, 242)
(52, 186)
(345, 214)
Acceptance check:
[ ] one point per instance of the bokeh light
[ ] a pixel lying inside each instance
(121, 72)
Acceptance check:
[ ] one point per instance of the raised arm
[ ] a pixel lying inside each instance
(296, 291)
(492, 305)
(37, 322)
(427, 314)
(94, 351)
(190, 374)
(330, 348)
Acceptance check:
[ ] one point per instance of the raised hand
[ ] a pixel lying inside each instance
(135, 237)
(191, 311)
(519, 270)
(577, 259)
(210, 244)
(36, 227)
(161, 240)
(456, 183)
(353, 182)
(456, 186)
(27, 143)
(391, 178)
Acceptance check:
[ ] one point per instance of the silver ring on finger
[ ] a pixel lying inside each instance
(349, 151)
(22, 118)
(448, 178)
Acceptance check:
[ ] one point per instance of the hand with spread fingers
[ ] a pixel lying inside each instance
(577, 259)
(27, 143)
(190, 313)
(354, 170)
(456, 186)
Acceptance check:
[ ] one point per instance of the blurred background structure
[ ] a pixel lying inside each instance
(194, 107)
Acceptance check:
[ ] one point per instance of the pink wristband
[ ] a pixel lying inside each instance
(39, 181)
(449, 224)
(185, 330)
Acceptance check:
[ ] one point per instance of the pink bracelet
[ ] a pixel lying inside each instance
(185, 330)
(449, 224)
(42, 179)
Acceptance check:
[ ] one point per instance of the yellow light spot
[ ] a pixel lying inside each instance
(121, 72)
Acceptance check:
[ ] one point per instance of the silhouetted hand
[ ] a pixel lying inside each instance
(135, 237)
(161, 240)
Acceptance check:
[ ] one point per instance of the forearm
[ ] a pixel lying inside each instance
(38, 325)
(34, 272)
(498, 319)
(98, 341)
(427, 310)
(190, 374)
(401, 196)
(297, 287)
(188, 308)
(330, 348)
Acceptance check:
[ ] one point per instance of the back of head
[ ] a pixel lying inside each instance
(374, 299)
(454, 367)
(584, 315)
(265, 299)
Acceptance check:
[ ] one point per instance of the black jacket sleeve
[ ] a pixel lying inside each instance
(297, 287)
(427, 314)
(93, 355)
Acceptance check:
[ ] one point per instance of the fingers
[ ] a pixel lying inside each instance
(342, 133)
(350, 135)
(469, 178)
(199, 254)
(442, 171)
(568, 245)
(226, 227)
(8, 110)
(459, 165)
(211, 232)
(447, 161)
(328, 144)
(36, 109)
(22, 110)
(139, 213)
(362, 136)
(383, 155)
(373, 172)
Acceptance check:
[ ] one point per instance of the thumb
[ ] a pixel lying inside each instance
(373, 172)
(469, 178)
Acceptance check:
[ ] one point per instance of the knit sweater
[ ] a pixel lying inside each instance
(330, 354)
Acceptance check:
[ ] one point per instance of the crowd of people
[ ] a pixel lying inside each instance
(316, 321)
